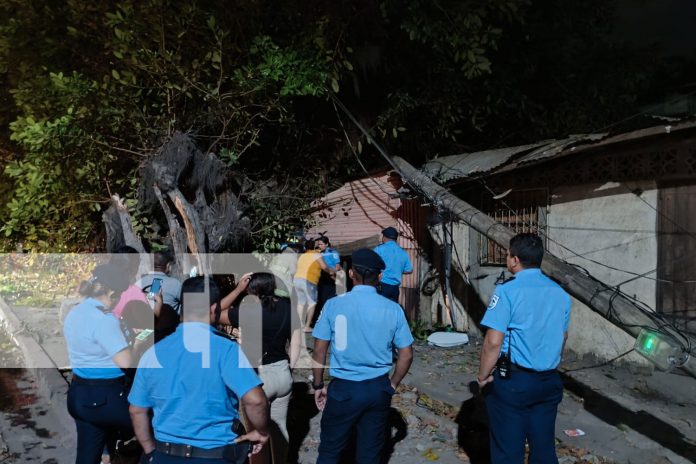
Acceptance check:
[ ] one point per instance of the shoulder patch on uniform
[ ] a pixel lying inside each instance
(494, 301)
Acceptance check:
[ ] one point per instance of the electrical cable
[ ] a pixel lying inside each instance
(660, 322)
(355, 154)
(605, 363)
(573, 252)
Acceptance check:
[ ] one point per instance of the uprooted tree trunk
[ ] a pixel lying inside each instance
(119, 227)
(191, 193)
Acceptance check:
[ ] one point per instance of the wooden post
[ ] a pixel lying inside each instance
(601, 298)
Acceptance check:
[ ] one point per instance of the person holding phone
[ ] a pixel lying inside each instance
(128, 260)
(171, 286)
(98, 352)
(279, 349)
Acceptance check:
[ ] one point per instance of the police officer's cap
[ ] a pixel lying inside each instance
(111, 277)
(368, 259)
(391, 233)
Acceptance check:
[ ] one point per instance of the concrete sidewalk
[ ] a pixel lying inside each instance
(442, 377)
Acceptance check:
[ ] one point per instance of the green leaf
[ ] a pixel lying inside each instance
(334, 85)
(115, 74)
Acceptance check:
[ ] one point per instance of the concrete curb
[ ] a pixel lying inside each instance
(51, 385)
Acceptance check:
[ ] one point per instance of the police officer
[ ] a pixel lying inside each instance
(359, 395)
(397, 262)
(527, 321)
(195, 395)
(98, 351)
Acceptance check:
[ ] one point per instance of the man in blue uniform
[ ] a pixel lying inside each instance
(194, 380)
(396, 261)
(363, 328)
(527, 321)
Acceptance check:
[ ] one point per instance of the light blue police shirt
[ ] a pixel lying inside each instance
(194, 404)
(536, 310)
(331, 257)
(363, 327)
(396, 260)
(171, 288)
(93, 338)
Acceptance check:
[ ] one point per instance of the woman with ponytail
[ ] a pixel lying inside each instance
(98, 351)
(279, 349)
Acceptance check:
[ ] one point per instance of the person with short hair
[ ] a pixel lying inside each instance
(362, 328)
(527, 320)
(309, 267)
(194, 381)
(171, 286)
(98, 354)
(397, 262)
(284, 265)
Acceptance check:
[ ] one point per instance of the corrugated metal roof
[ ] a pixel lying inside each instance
(552, 149)
(454, 167)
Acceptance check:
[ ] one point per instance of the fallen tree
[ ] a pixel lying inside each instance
(194, 194)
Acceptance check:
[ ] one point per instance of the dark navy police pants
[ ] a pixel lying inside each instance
(100, 410)
(362, 405)
(389, 291)
(524, 408)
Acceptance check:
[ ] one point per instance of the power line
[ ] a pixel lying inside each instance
(355, 154)
(657, 319)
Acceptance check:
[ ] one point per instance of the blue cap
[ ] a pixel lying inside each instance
(391, 233)
(367, 258)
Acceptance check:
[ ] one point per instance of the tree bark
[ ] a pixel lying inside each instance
(177, 235)
(194, 229)
(119, 227)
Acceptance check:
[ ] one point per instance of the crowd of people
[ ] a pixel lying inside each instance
(149, 361)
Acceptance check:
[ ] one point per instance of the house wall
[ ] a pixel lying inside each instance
(605, 223)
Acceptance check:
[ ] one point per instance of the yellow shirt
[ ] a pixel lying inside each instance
(308, 267)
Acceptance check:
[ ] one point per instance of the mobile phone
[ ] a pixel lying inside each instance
(142, 336)
(155, 288)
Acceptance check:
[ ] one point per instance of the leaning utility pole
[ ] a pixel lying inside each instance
(601, 298)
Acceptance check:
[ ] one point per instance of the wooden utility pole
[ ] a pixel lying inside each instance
(601, 298)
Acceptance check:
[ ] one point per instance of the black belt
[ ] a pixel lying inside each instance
(517, 367)
(77, 380)
(374, 379)
(235, 450)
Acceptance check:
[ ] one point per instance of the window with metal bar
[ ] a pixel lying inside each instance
(522, 211)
